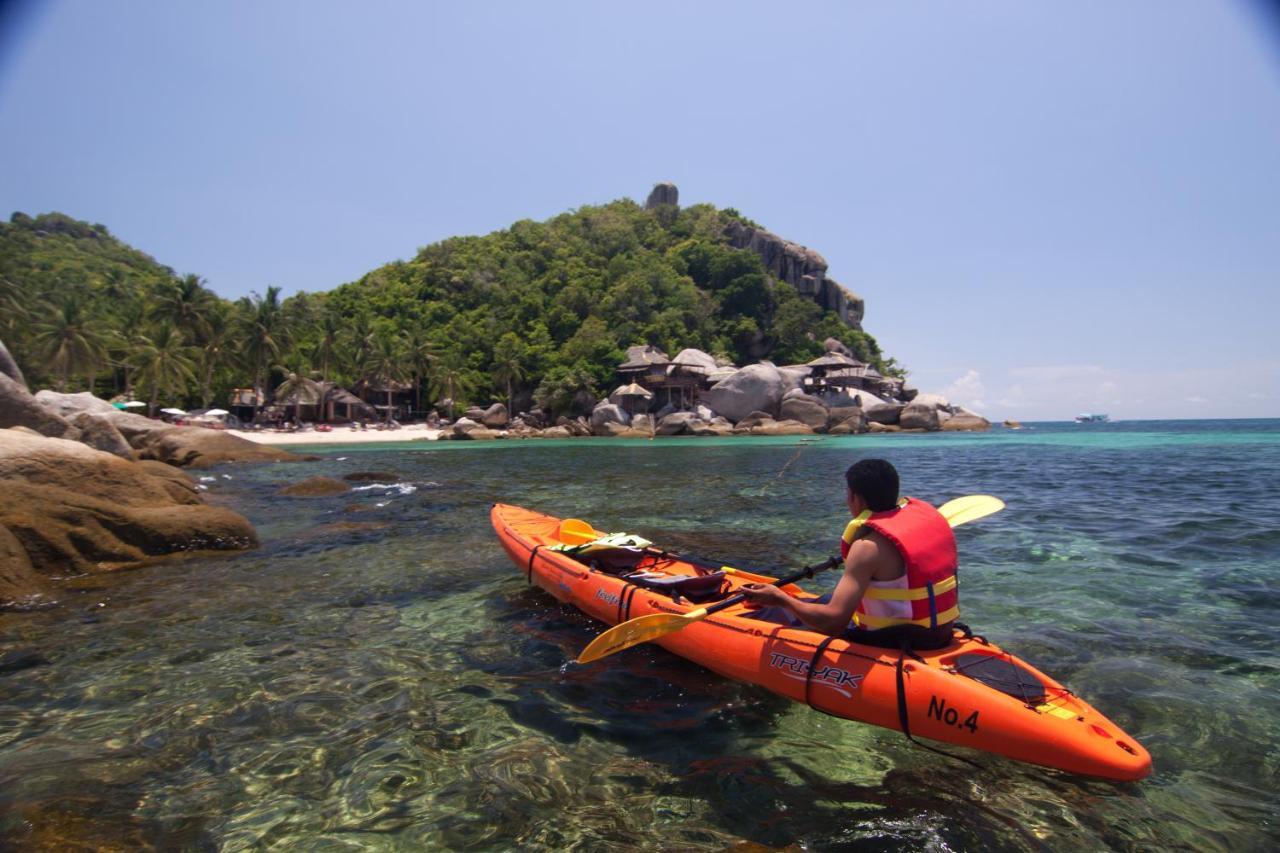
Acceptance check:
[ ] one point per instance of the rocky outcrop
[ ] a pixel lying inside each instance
(806, 409)
(880, 412)
(496, 416)
(783, 427)
(609, 419)
(74, 510)
(663, 193)
(465, 429)
(801, 267)
(846, 420)
(19, 408)
(918, 416)
(756, 387)
(70, 405)
(967, 422)
(100, 433)
(676, 423)
(196, 447)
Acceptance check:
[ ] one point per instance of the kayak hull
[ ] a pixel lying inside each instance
(1046, 724)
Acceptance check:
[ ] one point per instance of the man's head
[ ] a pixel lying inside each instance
(875, 481)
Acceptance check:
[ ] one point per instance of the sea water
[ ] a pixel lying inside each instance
(379, 676)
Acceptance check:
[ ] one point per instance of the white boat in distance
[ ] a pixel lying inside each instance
(1092, 419)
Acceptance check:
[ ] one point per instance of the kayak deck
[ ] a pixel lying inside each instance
(971, 693)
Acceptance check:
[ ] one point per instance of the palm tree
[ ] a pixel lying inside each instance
(69, 343)
(451, 376)
(421, 355)
(219, 332)
(165, 363)
(507, 368)
(265, 334)
(328, 342)
(385, 365)
(303, 390)
(186, 303)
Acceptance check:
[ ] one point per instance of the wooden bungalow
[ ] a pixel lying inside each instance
(671, 382)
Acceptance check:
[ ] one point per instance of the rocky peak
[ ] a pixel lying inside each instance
(663, 193)
(801, 267)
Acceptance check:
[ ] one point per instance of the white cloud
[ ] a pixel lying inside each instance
(1196, 398)
(967, 391)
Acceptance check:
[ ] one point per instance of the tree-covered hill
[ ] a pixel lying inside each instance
(542, 308)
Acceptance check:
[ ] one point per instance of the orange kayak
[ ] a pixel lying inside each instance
(971, 694)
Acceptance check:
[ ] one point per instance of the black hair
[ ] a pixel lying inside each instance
(876, 480)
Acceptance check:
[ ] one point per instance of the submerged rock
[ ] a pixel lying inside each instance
(315, 487)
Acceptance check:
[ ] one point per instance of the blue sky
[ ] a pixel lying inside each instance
(1047, 208)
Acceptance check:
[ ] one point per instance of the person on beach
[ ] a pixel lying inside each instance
(899, 583)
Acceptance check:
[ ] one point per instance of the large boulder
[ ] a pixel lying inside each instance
(676, 423)
(754, 388)
(19, 408)
(644, 424)
(806, 409)
(784, 427)
(716, 426)
(933, 401)
(880, 412)
(846, 420)
(197, 447)
(916, 416)
(555, 432)
(577, 427)
(9, 367)
(70, 405)
(605, 416)
(696, 359)
(752, 419)
(969, 422)
(76, 510)
(496, 416)
(611, 429)
(793, 376)
(465, 429)
(100, 433)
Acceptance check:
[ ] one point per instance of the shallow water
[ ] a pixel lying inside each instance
(378, 675)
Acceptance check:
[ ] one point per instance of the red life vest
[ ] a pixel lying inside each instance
(926, 595)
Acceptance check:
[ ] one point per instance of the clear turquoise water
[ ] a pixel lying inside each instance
(379, 676)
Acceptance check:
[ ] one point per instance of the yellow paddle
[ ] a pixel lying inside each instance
(642, 629)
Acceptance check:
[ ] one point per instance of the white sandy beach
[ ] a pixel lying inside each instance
(339, 435)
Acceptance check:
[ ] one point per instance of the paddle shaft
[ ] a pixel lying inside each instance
(806, 572)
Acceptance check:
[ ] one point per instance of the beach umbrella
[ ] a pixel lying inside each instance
(132, 404)
(633, 390)
(172, 411)
(217, 413)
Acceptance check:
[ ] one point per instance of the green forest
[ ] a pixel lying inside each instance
(540, 310)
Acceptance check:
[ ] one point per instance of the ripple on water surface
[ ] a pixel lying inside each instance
(378, 675)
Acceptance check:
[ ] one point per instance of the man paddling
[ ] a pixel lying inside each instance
(899, 571)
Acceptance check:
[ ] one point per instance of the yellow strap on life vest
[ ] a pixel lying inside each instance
(862, 620)
(918, 594)
(851, 529)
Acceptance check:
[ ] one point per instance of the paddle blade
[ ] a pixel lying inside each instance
(970, 508)
(575, 531)
(636, 631)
